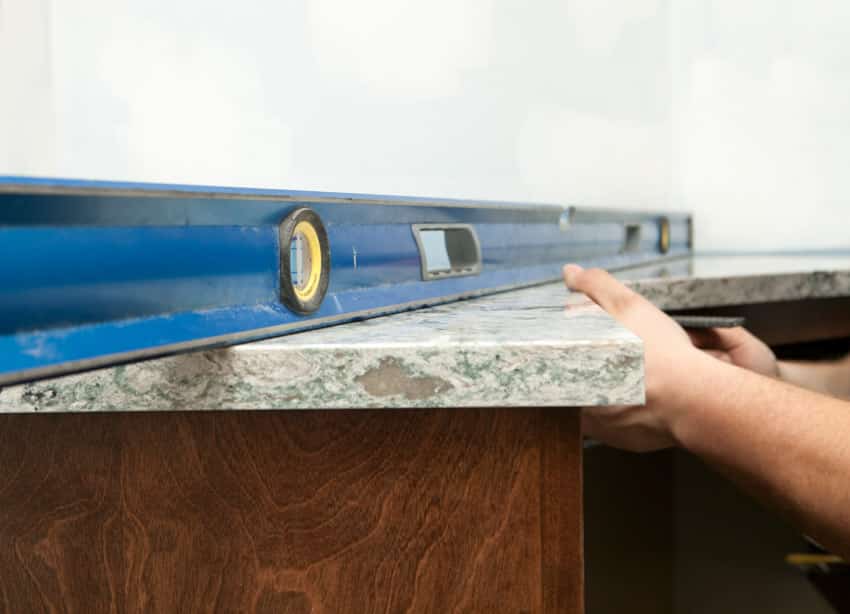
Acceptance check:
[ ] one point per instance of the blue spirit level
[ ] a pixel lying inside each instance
(95, 273)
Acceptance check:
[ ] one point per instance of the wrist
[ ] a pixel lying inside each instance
(706, 382)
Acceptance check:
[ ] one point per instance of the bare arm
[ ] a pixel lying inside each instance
(739, 347)
(829, 377)
(785, 445)
(781, 443)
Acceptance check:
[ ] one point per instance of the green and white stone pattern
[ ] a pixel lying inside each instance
(518, 349)
(722, 280)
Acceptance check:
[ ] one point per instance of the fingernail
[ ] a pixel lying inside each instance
(570, 271)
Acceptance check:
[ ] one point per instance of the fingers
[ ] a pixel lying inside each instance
(725, 339)
(658, 331)
(601, 287)
(622, 427)
(704, 337)
(594, 424)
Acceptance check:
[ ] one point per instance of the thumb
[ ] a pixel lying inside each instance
(601, 287)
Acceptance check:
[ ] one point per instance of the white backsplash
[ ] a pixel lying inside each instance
(738, 111)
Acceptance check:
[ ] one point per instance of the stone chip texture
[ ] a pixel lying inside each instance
(521, 348)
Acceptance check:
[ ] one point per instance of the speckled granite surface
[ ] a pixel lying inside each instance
(516, 349)
(715, 281)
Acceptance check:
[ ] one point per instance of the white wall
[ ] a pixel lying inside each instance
(739, 111)
(761, 92)
(27, 120)
(555, 100)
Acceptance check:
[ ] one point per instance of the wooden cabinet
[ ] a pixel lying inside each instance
(291, 511)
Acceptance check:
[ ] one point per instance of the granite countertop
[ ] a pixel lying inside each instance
(521, 348)
(721, 280)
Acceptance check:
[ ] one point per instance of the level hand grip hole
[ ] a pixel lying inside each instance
(447, 250)
(631, 241)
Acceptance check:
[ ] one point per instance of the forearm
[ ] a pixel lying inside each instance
(832, 377)
(783, 444)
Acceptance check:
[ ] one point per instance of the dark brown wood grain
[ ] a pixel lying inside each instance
(561, 517)
(291, 512)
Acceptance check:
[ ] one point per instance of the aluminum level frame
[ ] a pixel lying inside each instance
(94, 273)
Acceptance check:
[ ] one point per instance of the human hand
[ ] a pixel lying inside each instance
(737, 346)
(673, 367)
